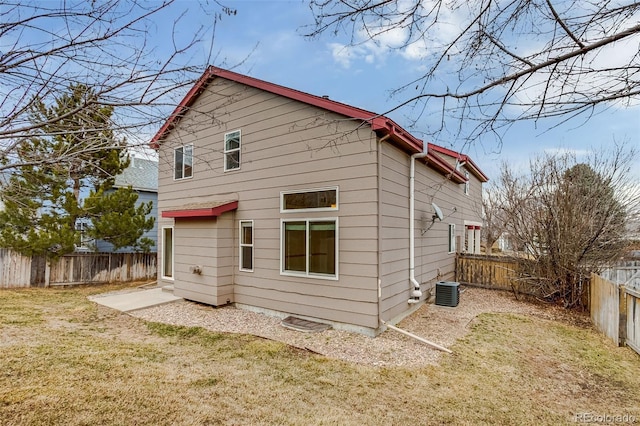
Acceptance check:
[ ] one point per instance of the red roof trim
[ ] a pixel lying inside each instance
(380, 124)
(201, 212)
(463, 158)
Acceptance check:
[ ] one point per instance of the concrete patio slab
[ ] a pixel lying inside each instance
(134, 300)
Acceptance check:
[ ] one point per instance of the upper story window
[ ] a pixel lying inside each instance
(183, 162)
(316, 199)
(466, 183)
(232, 143)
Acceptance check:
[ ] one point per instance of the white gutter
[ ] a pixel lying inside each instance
(416, 293)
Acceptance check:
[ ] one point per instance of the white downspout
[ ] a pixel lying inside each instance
(416, 293)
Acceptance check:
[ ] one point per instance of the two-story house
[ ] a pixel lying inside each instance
(293, 204)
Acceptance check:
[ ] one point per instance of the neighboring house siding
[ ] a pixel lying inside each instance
(143, 197)
(286, 145)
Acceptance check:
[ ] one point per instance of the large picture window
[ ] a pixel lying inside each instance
(310, 247)
(183, 162)
(246, 245)
(315, 199)
(232, 146)
(167, 252)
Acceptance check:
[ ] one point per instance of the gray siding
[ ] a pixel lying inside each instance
(286, 145)
(432, 260)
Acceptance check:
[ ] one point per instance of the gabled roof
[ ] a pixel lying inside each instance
(383, 126)
(141, 174)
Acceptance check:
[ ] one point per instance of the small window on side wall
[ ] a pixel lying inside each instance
(452, 238)
(246, 245)
(183, 162)
(232, 144)
(167, 252)
(466, 183)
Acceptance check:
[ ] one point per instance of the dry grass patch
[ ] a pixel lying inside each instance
(68, 361)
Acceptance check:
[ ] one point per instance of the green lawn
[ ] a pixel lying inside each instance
(64, 360)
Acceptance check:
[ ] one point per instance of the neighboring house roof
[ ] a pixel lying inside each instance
(383, 126)
(141, 174)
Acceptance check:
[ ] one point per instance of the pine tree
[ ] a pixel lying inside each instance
(43, 203)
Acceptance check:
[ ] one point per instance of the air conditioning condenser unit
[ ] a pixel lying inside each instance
(447, 293)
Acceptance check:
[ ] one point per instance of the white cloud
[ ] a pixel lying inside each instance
(394, 38)
(345, 54)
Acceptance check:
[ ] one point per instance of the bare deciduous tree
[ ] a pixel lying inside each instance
(110, 46)
(488, 64)
(494, 217)
(570, 218)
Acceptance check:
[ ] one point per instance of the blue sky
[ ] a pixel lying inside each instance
(264, 40)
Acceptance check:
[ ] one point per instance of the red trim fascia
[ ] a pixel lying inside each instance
(201, 212)
(444, 168)
(297, 95)
(290, 93)
(186, 102)
(379, 123)
(461, 157)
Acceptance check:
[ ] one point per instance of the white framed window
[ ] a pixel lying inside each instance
(309, 247)
(232, 144)
(466, 183)
(321, 199)
(246, 245)
(183, 162)
(85, 241)
(167, 252)
(452, 238)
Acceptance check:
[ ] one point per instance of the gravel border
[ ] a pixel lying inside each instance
(439, 324)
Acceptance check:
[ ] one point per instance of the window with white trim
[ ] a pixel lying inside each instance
(309, 247)
(466, 183)
(167, 252)
(232, 146)
(452, 238)
(85, 240)
(323, 199)
(183, 162)
(246, 245)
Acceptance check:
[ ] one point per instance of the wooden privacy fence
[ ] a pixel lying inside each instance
(615, 303)
(606, 301)
(77, 268)
(497, 272)
(615, 311)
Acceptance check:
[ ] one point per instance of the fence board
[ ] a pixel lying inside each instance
(497, 272)
(633, 319)
(77, 268)
(15, 270)
(605, 307)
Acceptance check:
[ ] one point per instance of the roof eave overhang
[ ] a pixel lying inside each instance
(412, 145)
(202, 212)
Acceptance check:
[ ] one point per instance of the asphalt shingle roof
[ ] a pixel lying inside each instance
(141, 174)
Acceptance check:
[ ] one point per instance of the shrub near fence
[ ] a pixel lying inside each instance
(77, 268)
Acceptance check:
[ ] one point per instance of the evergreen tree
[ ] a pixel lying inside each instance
(43, 203)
